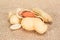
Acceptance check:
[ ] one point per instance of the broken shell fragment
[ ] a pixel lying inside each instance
(15, 26)
(14, 19)
(10, 14)
(17, 13)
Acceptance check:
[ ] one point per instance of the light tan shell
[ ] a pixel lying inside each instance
(14, 19)
(15, 26)
(44, 16)
(15, 12)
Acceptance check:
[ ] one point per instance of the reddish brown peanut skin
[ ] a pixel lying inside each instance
(27, 14)
(44, 16)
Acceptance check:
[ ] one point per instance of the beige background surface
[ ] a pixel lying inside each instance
(50, 6)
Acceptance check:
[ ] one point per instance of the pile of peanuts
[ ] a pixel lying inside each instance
(29, 19)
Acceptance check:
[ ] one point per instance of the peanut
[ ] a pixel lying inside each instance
(27, 23)
(34, 24)
(39, 26)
